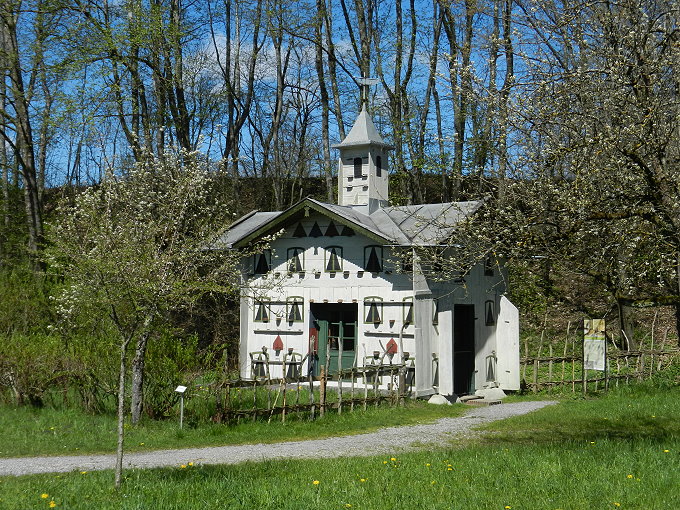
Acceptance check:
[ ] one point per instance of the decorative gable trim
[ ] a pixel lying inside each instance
(299, 211)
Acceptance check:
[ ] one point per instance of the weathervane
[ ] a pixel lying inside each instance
(364, 85)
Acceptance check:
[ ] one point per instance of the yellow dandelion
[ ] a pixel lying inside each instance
(141, 444)
(449, 465)
(449, 469)
(629, 476)
(348, 505)
(362, 480)
(316, 482)
(666, 451)
(592, 442)
(617, 504)
(44, 495)
(393, 459)
(507, 507)
(83, 472)
(384, 462)
(427, 465)
(52, 504)
(183, 466)
(191, 463)
(433, 482)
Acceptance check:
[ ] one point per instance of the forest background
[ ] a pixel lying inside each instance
(563, 116)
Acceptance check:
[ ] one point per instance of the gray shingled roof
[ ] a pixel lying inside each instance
(244, 226)
(363, 132)
(419, 225)
(430, 224)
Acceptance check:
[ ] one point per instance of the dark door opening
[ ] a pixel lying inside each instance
(463, 348)
(336, 324)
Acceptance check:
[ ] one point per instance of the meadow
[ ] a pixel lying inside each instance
(616, 450)
(31, 431)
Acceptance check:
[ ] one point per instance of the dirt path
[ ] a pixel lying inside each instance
(387, 440)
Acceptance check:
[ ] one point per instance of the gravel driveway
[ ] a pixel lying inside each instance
(387, 440)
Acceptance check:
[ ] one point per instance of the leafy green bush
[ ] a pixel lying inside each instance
(31, 365)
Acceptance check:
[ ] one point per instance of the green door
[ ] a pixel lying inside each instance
(333, 335)
(337, 328)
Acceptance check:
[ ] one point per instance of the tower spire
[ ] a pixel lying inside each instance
(365, 85)
(362, 170)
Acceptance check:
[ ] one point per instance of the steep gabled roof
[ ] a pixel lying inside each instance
(258, 225)
(363, 132)
(431, 224)
(416, 225)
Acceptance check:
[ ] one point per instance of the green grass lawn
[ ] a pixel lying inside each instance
(46, 431)
(604, 474)
(621, 450)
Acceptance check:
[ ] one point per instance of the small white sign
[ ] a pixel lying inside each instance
(181, 389)
(594, 345)
(594, 355)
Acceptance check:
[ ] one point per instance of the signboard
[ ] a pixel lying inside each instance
(594, 345)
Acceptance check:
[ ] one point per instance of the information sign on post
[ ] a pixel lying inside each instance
(594, 345)
(594, 348)
(181, 389)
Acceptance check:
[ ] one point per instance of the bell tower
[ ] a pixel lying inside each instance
(363, 179)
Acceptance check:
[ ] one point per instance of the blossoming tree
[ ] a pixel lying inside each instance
(134, 250)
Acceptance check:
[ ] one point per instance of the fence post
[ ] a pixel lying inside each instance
(340, 351)
(550, 363)
(322, 391)
(402, 385)
(365, 388)
(584, 372)
(311, 396)
(536, 365)
(353, 374)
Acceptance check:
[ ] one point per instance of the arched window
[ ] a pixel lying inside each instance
(294, 311)
(358, 167)
(333, 259)
(262, 262)
(489, 313)
(378, 166)
(373, 256)
(373, 310)
(296, 260)
(489, 264)
(261, 311)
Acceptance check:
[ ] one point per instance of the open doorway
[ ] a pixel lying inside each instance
(336, 324)
(463, 349)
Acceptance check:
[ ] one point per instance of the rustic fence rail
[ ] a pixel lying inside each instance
(268, 398)
(567, 372)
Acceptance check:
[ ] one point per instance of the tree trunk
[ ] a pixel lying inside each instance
(121, 412)
(626, 326)
(325, 100)
(24, 148)
(137, 390)
(4, 161)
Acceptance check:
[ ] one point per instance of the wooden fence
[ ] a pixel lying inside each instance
(350, 389)
(561, 367)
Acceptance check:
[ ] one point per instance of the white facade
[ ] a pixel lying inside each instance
(336, 275)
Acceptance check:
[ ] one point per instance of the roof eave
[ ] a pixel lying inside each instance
(270, 227)
(383, 145)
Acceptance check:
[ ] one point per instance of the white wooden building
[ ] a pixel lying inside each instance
(348, 276)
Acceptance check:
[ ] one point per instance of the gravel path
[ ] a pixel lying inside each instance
(387, 440)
